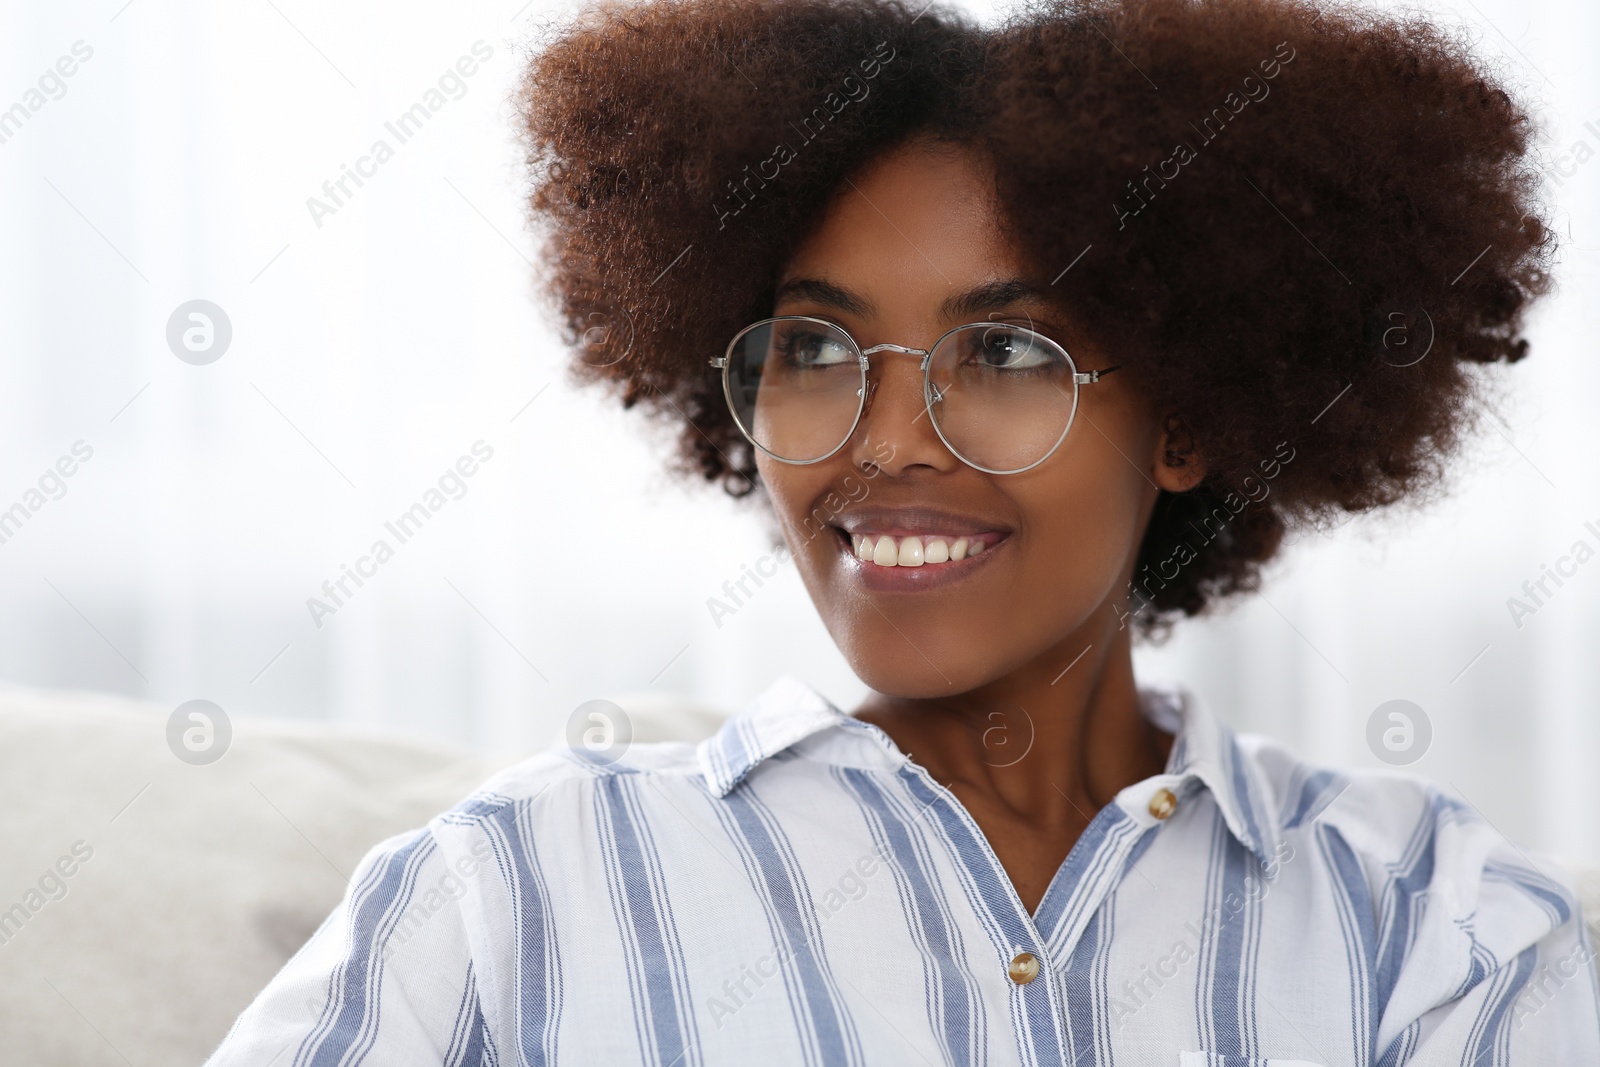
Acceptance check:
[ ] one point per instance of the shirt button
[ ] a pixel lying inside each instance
(1024, 968)
(1163, 803)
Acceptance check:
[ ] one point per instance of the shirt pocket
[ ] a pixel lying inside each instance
(1219, 1059)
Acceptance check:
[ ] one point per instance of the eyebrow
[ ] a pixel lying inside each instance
(978, 299)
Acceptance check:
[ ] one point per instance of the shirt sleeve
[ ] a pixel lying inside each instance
(386, 979)
(1537, 1008)
(1502, 971)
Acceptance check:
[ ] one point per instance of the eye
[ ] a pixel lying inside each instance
(1009, 348)
(805, 347)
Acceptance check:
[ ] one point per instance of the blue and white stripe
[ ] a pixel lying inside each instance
(795, 890)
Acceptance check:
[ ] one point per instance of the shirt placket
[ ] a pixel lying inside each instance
(1019, 951)
(1035, 962)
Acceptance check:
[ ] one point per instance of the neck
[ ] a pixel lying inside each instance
(1052, 741)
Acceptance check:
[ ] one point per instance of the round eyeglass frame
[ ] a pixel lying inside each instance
(930, 393)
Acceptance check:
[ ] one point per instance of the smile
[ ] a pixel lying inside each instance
(887, 550)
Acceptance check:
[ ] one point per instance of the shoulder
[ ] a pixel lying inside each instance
(1378, 812)
(560, 776)
(1398, 823)
(1447, 900)
(561, 791)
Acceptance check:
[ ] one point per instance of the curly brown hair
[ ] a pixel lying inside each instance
(1298, 222)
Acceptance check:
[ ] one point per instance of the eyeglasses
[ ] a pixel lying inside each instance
(1000, 396)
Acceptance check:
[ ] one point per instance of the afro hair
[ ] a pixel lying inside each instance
(1300, 223)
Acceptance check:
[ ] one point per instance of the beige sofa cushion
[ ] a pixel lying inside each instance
(189, 886)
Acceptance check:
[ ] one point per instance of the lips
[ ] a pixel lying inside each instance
(917, 547)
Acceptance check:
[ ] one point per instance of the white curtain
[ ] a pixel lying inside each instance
(381, 330)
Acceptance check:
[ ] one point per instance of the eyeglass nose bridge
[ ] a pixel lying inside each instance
(923, 352)
(932, 395)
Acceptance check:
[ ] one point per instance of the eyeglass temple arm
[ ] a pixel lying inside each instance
(1090, 377)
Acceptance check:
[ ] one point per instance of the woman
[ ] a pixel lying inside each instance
(1031, 339)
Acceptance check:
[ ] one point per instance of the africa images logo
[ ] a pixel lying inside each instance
(409, 123)
(1252, 90)
(812, 125)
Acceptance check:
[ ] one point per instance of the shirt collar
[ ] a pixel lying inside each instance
(786, 712)
(1209, 750)
(1206, 749)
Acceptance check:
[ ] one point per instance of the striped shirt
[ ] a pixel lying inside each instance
(795, 890)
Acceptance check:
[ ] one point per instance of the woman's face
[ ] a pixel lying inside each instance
(912, 231)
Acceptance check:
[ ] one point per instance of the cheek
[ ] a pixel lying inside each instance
(806, 499)
(1082, 523)
(786, 487)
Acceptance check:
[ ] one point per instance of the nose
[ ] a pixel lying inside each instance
(896, 432)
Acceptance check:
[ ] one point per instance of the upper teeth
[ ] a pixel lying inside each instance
(887, 551)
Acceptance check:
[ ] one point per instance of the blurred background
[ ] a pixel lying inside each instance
(373, 341)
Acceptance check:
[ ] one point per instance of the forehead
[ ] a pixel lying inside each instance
(918, 221)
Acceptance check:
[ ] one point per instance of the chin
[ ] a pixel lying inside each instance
(906, 683)
(903, 672)
(949, 658)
